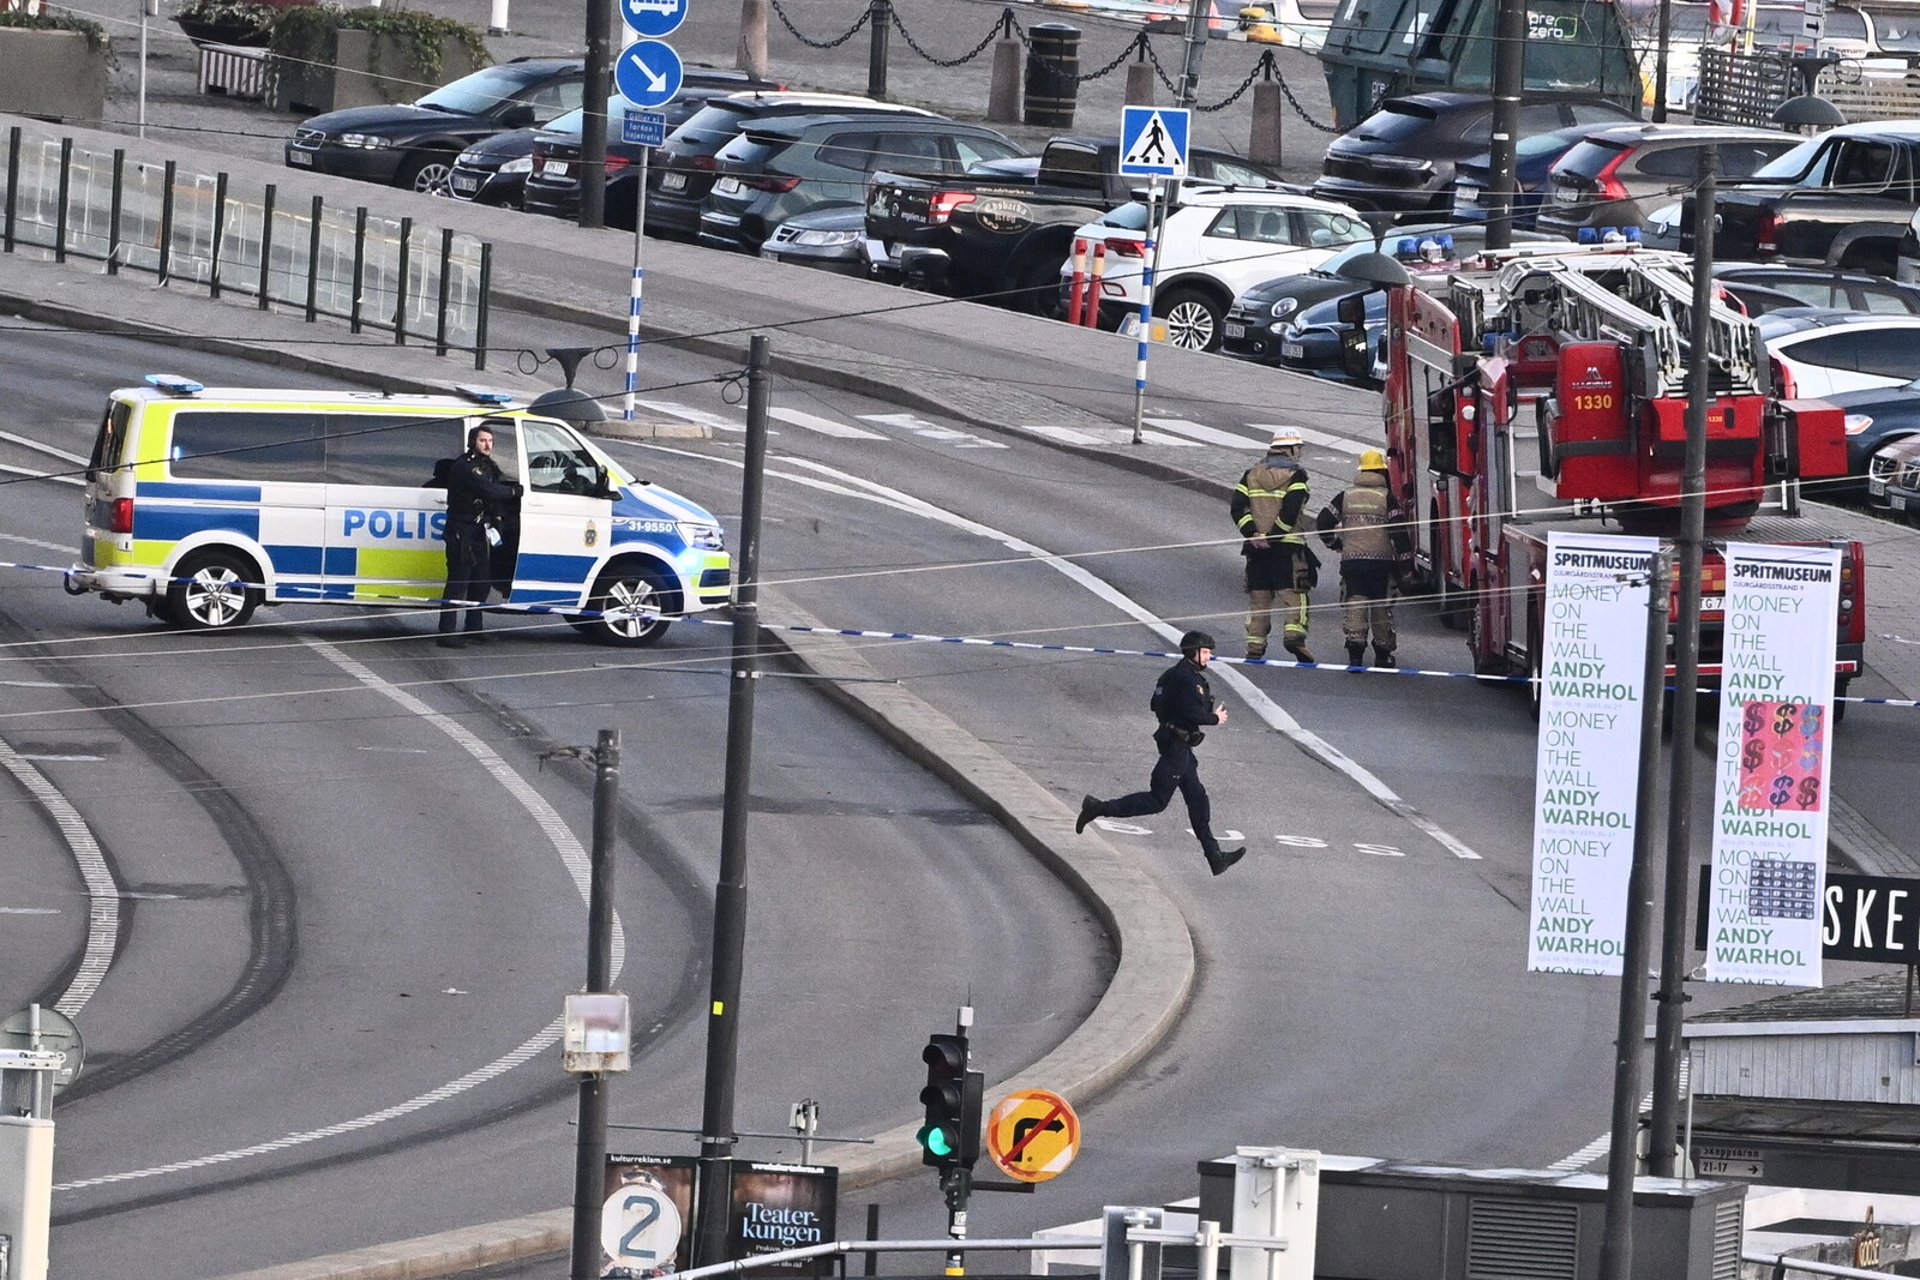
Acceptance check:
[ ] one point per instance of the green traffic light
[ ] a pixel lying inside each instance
(939, 1141)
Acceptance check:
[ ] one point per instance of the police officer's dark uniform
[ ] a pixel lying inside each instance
(1184, 703)
(477, 494)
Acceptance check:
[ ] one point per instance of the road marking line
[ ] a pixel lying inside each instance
(103, 894)
(41, 684)
(1263, 706)
(687, 413)
(31, 474)
(38, 542)
(40, 447)
(41, 757)
(921, 427)
(1104, 436)
(578, 865)
(1326, 439)
(825, 426)
(1209, 435)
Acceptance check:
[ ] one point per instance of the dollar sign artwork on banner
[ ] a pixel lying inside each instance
(1770, 779)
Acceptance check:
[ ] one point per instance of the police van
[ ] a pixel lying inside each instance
(206, 503)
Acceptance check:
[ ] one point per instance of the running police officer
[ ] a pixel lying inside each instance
(1268, 506)
(1184, 703)
(1366, 526)
(477, 497)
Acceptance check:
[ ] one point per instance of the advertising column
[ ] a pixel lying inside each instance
(1770, 780)
(1586, 776)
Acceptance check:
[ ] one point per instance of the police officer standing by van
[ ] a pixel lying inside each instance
(1183, 702)
(477, 496)
(1268, 506)
(1366, 526)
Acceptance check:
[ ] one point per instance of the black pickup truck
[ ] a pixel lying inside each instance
(1001, 232)
(1840, 199)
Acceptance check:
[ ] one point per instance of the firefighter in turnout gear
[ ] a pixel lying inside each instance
(1366, 526)
(1183, 703)
(1268, 506)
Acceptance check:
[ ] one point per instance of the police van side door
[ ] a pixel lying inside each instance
(385, 521)
(566, 515)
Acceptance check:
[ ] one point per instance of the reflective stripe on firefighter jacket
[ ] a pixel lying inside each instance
(1268, 502)
(1364, 511)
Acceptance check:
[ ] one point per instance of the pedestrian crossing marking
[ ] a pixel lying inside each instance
(1153, 141)
(1104, 436)
(687, 413)
(927, 430)
(1210, 435)
(1325, 439)
(825, 426)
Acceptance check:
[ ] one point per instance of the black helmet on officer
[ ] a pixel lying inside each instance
(1194, 641)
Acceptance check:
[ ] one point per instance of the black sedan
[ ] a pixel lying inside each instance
(829, 239)
(414, 144)
(494, 170)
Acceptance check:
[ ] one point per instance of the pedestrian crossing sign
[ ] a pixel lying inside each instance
(1153, 142)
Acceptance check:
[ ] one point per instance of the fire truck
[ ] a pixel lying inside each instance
(1539, 390)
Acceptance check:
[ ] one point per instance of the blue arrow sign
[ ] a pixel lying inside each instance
(1153, 141)
(643, 128)
(648, 73)
(654, 18)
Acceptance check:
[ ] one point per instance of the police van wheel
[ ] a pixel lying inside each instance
(209, 592)
(630, 606)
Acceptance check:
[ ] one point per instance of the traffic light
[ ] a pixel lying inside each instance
(951, 1135)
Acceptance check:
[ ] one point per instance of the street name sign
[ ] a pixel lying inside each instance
(648, 73)
(1033, 1135)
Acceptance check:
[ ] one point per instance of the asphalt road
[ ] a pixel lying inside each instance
(342, 932)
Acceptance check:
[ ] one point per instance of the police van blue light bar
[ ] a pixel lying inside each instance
(485, 395)
(175, 385)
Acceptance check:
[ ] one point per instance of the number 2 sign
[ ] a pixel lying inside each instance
(640, 1226)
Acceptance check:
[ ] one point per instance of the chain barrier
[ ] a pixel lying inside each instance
(1146, 47)
(834, 43)
(1286, 91)
(1265, 64)
(992, 35)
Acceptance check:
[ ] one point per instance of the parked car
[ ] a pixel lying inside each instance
(1826, 353)
(1215, 243)
(414, 144)
(495, 170)
(783, 167)
(1401, 158)
(1818, 287)
(1533, 158)
(1295, 320)
(1893, 478)
(1000, 231)
(1615, 177)
(1843, 198)
(826, 238)
(1878, 419)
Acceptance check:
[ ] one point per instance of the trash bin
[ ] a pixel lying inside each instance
(1053, 74)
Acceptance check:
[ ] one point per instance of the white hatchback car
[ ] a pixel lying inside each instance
(1826, 352)
(1215, 244)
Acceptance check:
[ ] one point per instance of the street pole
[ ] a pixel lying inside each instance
(957, 1181)
(593, 126)
(1616, 1241)
(1146, 307)
(1509, 80)
(590, 1156)
(730, 894)
(1664, 34)
(1197, 14)
(1671, 1011)
(879, 27)
(639, 280)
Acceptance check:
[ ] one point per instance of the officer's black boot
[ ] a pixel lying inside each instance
(1383, 657)
(1218, 860)
(1356, 654)
(1089, 810)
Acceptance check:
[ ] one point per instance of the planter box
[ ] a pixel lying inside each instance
(352, 80)
(51, 75)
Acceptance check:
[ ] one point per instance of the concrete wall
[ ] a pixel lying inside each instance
(353, 81)
(51, 75)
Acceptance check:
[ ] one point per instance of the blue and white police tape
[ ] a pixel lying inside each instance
(916, 637)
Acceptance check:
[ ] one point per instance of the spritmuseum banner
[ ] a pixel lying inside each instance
(1586, 771)
(1770, 777)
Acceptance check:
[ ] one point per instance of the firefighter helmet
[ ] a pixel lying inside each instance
(1286, 438)
(1373, 460)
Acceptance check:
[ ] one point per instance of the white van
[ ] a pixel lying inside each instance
(205, 503)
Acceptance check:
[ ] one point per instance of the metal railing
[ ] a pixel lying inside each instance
(386, 274)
